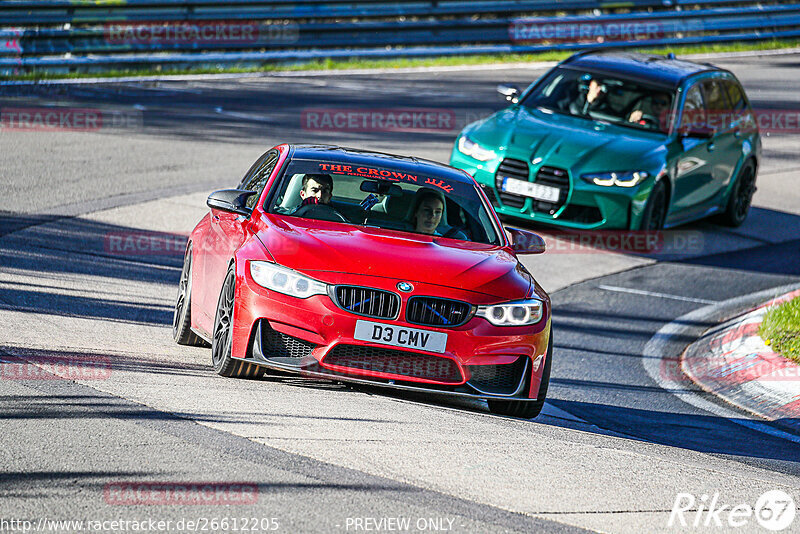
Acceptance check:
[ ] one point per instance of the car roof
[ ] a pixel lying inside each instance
(662, 70)
(356, 156)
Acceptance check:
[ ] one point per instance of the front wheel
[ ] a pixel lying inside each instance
(527, 409)
(655, 211)
(222, 343)
(741, 197)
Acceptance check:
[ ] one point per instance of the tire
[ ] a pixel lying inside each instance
(182, 316)
(741, 197)
(655, 211)
(523, 409)
(221, 343)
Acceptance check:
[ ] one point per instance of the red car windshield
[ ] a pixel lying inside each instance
(383, 197)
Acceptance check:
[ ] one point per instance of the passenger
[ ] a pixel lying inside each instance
(658, 116)
(426, 211)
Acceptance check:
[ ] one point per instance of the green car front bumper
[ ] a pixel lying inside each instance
(581, 205)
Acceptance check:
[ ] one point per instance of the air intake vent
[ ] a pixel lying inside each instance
(432, 311)
(497, 379)
(279, 345)
(395, 362)
(553, 177)
(367, 302)
(511, 168)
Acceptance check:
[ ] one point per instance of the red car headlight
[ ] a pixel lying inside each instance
(517, 313)
(284, 280)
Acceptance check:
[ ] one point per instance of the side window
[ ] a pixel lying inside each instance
(742, 115)
(716, 100)
(720, 116)
(257, 178)
(694, 109)
(736, 96)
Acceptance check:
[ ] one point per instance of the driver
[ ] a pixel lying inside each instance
(317, 189)
(591, 97)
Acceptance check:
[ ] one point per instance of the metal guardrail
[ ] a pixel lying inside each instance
(28, 12)
(76, 35)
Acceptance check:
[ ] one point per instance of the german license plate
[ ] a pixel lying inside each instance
(400, 336)
(530, 189)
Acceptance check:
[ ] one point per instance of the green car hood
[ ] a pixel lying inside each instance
(574, 143)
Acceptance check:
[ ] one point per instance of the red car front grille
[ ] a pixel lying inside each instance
(432, 311)
(394, 362)
(367, 301)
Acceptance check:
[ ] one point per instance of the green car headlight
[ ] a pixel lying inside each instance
(621, 179)
(518, 313)
(285, 280)
(471, 148)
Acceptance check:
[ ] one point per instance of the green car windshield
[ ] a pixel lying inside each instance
(603, 97)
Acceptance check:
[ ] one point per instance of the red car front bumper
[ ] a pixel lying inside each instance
(315, 336)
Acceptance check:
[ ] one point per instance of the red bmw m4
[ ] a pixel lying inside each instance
(360, 266)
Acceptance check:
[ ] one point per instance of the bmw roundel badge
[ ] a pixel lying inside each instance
(404, 286)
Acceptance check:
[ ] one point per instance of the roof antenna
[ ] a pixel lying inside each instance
(671, 55)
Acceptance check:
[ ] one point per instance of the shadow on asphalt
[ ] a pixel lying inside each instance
(44, 265)
(751, 247)
(702, 433)
(233, 112)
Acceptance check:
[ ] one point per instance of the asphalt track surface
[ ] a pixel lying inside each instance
(611, 452)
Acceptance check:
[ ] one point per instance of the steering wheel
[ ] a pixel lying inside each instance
(323, 212)
(650, 122)
(454, 230)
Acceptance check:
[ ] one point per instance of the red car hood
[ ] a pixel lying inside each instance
(315, 247)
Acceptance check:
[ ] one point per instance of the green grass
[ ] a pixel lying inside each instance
(331, 64)
(781, 329)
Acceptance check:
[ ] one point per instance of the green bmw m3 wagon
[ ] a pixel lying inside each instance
(618, 140)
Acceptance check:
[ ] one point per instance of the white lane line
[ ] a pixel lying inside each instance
(656, 350)
(655, 294)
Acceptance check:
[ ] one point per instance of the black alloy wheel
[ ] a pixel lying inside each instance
(182, 316)
(222, 341)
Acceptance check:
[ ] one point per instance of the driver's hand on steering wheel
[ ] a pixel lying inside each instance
(635, 116)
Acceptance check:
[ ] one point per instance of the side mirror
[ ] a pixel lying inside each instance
(231, 200)
(510, 92)
(525, 242)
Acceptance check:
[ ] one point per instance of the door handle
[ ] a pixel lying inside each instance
(737, 133)
(215, 217)
(711, 147)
